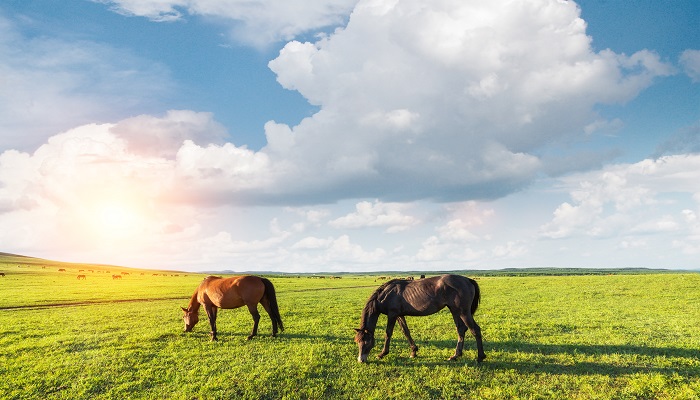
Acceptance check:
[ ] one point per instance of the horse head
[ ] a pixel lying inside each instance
(365, 342)
(191, 318)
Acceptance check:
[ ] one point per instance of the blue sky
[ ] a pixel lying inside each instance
(351, 135)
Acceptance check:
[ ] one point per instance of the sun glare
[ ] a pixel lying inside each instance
(115, 219)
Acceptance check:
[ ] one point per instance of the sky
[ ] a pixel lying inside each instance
(351, 135)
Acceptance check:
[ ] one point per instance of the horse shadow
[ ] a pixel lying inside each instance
(572, 351)
(242, 336)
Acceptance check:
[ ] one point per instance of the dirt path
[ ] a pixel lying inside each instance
(87, 303)
(96, 302)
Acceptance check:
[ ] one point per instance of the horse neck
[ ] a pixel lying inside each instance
(193, 306)
(370, 315)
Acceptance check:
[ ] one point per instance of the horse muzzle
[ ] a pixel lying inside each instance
(362, 358)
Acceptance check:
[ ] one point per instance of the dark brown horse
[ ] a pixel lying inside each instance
(215, 292)
(398, 298)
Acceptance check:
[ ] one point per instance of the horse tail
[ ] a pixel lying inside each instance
(477, 295)
(272, 299)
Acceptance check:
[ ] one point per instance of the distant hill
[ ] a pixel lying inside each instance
(9, 258)
(12, 255)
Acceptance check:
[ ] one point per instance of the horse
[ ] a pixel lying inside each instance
(81, 277)
(398, 298)
(216, 292)
(116, 277)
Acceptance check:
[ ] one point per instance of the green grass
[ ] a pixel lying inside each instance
(616, 336)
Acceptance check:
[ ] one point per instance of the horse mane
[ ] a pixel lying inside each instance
(371, 307)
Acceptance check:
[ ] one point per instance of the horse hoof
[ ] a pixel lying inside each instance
(249, 337)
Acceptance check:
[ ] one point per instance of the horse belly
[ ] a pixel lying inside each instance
(231, 302)
(419, 303)
(231, 299)
(418, 310)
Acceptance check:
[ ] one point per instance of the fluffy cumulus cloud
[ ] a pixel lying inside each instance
(645, 198)
(445, 100)
(99, 185)
(451, 99)
(258, 22)
(374, 214)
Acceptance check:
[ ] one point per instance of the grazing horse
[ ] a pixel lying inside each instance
(398, 298)
(215, 292)
(116, 277)
(81, 277)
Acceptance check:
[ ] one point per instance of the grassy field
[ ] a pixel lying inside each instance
(619, 336)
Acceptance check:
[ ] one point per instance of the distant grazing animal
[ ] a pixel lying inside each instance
(215, 292)
(61, 270)
(81, 277)
(398, 298)
(116, 277)
(2, 274)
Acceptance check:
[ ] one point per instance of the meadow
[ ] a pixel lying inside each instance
(603, 336)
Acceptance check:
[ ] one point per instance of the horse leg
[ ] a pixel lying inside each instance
(461, 329)
(266, 305)
(407, 333)
(387, 336)
(253, 308)
(475, 330)
(211, 313)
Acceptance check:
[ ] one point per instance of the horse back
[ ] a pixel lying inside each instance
(232, 292)
(427, 296)
(412, 298)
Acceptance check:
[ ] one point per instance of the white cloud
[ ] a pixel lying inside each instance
(690, 60)
(625, 198)
(163, 137)
(340, 251)
(257, 22)
(454, 110)
(511, 249)
(390, 215)
(447, 255)
(312, 243)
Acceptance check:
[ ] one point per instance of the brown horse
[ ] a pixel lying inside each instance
(399, 297)
(215, 292)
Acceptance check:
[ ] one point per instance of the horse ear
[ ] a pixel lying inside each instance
(184, 309)
(358, 330)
